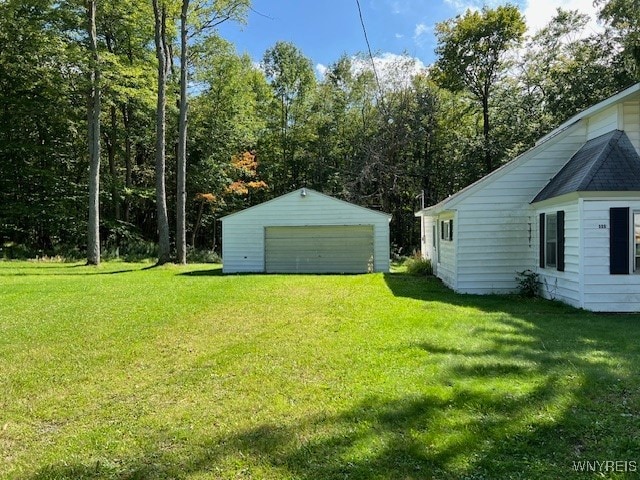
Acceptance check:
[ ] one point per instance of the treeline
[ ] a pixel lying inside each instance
(389, 139)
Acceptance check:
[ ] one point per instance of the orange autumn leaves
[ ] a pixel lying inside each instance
(244, 166)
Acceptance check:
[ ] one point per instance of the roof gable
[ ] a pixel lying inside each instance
(555, 135)
(306, 192)
(607, 163)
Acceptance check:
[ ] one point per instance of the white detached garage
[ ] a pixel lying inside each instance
(306, 232)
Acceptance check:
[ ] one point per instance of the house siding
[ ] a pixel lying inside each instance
(498, 229)
(243, 233)
(631, 119)
(602, 291)
(564, 286)
(604, 122)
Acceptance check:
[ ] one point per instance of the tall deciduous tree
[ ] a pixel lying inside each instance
(93, 118)
(206, 15)
(163, 53)
(471, 50)
(624, 17)
(292, 79)
(181, 215)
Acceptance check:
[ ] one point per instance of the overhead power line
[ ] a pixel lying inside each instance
(366, 38)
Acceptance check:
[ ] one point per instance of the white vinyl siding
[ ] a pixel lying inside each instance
(631, 121)
(604, 122)
(497, 230)
(556, 285)
(243, 245)
(603, 291)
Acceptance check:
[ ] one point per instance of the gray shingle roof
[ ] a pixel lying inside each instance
(608, 163)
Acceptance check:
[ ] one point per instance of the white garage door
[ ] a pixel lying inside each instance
(319, 249)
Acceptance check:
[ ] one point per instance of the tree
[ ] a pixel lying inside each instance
(181, 219)
(624, 18)
(206, 15)
(292, 80)
(93, 118)
(163, 54)
(471, 56)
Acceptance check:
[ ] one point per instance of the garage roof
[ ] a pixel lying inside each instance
(304, 192)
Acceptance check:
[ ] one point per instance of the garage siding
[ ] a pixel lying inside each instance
(243, 233)
(319, 249)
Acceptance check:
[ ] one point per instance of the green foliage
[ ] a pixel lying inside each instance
(471, 48)
(528, 283)
(202, 256)
(416, 265)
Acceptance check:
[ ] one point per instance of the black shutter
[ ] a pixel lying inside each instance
(442, 230)
(451, 229)
(560, 241)
(542, 240)
(619, 236)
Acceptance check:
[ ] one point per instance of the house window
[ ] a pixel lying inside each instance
(636, 241)
(446, 230)
(551, 240)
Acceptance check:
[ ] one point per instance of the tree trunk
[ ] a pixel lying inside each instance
(111, 153)
(162, 53)
(488, 164)
(181, 227)
(93, 118)
(126, 116)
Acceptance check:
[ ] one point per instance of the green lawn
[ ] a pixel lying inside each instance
(126, 371)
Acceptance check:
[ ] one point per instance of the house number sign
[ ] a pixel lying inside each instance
(602, 225)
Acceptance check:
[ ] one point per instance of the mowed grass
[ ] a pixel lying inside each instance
(131, 372)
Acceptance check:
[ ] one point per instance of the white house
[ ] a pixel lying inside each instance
(306, 231)
(568, 209)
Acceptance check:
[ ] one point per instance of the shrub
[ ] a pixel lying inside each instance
(528, 283)
(416, 265)
(195, 255)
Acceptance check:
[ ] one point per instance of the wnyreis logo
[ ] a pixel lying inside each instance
(605, 466)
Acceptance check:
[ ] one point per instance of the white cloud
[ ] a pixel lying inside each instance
(321, 69)
(399, 35)
(420, 30)
(539, 12)
(394, 71)
(461, 6)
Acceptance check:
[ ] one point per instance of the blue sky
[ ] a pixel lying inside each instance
(326, 29)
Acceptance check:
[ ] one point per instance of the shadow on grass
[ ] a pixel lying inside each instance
(65, 270)
(211, 272)
(530, 388)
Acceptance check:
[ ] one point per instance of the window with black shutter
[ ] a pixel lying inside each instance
(619, 236)
(560, 240)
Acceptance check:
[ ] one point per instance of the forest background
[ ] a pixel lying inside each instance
(129, 128)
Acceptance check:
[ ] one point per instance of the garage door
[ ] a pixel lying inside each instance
(319, 249)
